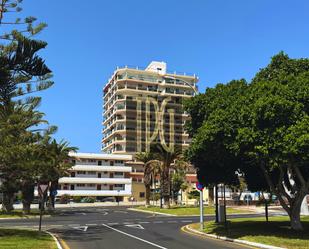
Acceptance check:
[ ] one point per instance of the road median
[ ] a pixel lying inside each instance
(256, 232)
(188, 229)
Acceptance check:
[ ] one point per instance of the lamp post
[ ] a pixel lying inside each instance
(186, 82)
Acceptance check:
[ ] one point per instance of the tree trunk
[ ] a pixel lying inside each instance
(147, 194)
(211, 196)
(8, 201)
(295, 213)
(27, 195)
(166, 187)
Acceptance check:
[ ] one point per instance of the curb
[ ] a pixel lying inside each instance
(187, 229)
(150, 212)
(27, 217)
(56, 240)
(188, 215)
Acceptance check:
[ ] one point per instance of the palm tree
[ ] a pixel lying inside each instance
(166, 161)
(59, 163)
(146, 158)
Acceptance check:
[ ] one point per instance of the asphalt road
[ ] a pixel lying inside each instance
(120, 228)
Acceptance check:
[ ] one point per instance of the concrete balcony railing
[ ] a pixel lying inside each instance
(101, 168)
(81, 180)
(126, 192)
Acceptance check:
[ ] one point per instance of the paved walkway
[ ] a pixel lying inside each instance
(95, 204)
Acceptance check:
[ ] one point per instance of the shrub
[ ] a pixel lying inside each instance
(88, 199)
(77, 199)
(64, 199)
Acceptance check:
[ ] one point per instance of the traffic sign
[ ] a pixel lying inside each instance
(42, 188)
(199, 186)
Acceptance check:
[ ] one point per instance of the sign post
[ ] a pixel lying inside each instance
(200, 187)
(42, 189)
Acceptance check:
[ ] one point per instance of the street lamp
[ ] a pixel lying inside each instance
(184, 81)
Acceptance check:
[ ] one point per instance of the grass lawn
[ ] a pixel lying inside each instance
(190, 210)
(276, 232)
(25, 239)
(19, 213)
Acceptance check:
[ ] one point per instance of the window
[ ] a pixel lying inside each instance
(118, 185)
(74, 161)
(80, 185)
(81, 172)
(99, 162)
(91, 160)
(90, 185)
(111, 163)
(118, 161)
(118, 173)
(141, 194)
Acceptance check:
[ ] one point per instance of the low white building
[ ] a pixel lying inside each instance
(97, 175)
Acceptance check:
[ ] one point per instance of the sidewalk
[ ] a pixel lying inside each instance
(95, 204)
(261, 209)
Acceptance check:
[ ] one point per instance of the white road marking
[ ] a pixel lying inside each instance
(138, 226)
(134, 237)
(124, 212)
(127, 222)
(112, 224)
(81, 228)
(91, 224)
(104, 213)
(158, 222)
(186, 221)
(172, 221)
(144, 222)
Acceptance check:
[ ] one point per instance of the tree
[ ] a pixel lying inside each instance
(165, 161)
(146, 158)
(213, 129)
(273, 142)
(16, 140)
(57, 165)
(20, 27)
(22, 72)
(248, 130)
(178, 182)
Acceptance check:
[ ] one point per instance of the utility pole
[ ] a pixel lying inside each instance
(201, 211)
(217, 200)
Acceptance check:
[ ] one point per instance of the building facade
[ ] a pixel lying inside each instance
(145, 106)
(97, 175)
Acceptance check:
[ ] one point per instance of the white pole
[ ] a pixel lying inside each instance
(304, 207)
(201, 211)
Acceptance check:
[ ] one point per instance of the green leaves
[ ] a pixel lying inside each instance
(240, 126)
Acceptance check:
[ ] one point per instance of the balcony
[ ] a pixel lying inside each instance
(126, 192)
(82, 180)
(101, 168)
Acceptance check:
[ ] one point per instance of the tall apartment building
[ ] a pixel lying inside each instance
(99, 175)
(145, 106)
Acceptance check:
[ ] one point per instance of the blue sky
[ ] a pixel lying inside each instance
(218, 40)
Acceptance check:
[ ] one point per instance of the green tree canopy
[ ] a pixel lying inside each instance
(259, 129)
